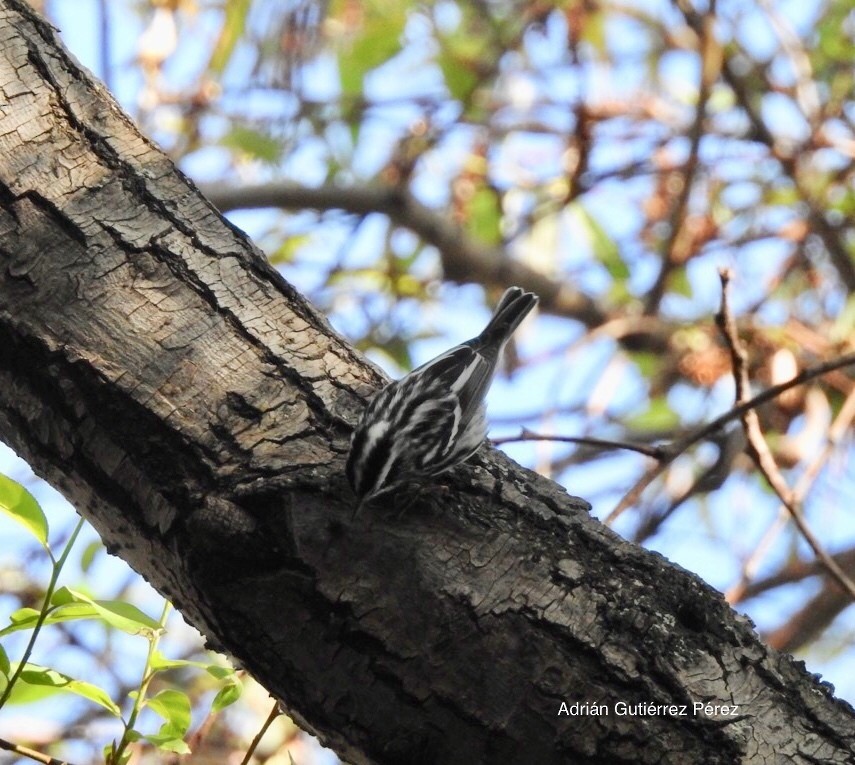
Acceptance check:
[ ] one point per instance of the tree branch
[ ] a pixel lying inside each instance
(463, 259)
(743, 589)
(31, 754)
(655, 452)
(830, 235)
(676, 249)
(757, 446)
(676, 448)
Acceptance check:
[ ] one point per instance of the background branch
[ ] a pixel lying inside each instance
(463, 259)
(757, 446)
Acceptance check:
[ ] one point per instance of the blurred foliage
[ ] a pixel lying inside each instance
(622, 150)
(23, 682)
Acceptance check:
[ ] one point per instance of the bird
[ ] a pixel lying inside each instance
(434, 417)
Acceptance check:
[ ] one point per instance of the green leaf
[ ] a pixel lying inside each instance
(108, 750)
(380, 41)
(783, 196)
(648, 363)
(485, 215)
(679, 284)
(26, 618)
(287, 251)
(37, 682)
(160, 663)
(22, 507)
(220, 672)
(253, 143)
(116, 613)
(658, 416)
(406, 285)
(231, 31)
(398, 350)
(460, 61)
(110, 754)
(844, 325)
(88, 556)
(227, 695)
(594, 32)
(174, 707)
(603, 246)
(5, 670)
(459, 80)
(168, 743)
(23, 615)
(618, 293)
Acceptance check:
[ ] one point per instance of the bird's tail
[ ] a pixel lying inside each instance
(511, 310)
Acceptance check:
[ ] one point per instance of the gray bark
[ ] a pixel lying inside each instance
(197, 411)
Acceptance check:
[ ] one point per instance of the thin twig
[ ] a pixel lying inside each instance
(757, 446)
(667, 453)
(656, 452)
(32, 754)
(194, 742)
(676, 448)
(634, 494)
(795, 571)
(730, 444)
(274, 713)
(56, 570)
(807, 96)
(679, 446)
(815, 614)
(741, 84)
(831, 235)
(743, 588)
(740, 591)
(676, 249)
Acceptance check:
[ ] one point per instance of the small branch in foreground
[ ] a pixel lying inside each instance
(665, 454)
(31, 754)
(838, 428)
(757, 446)
(274, 713)
(656, 452)
(730, 443)
(679, 446)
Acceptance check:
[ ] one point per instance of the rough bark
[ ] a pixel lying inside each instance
(197, 410)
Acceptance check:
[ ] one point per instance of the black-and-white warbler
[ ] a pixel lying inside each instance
(433, 418)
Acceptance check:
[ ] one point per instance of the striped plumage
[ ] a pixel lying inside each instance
(434, 417)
